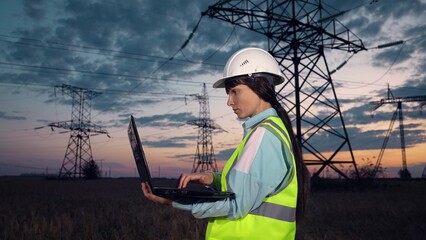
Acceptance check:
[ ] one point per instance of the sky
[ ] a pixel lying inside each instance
(145, 59)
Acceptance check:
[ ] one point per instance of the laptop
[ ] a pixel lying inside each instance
(191, 193)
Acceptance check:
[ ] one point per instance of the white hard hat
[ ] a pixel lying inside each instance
(248, 61)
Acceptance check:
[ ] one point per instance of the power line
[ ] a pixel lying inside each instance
(224, 44)
(340, 13)
(99, 51)
(28, 67)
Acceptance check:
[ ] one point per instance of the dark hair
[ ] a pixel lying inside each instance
(263, 88)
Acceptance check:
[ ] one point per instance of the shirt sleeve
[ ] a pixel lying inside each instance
(216, 184)
(260, 171)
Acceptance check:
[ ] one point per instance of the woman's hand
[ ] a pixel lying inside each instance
(203, 178)
(148, 194)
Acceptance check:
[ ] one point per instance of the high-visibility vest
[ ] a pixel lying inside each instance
(275, 218)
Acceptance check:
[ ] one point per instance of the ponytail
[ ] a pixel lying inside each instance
(302, 172)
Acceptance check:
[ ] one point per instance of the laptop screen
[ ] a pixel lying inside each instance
(138, 152)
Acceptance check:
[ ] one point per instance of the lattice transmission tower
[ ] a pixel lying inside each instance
(404, 173)
(204, 159)
(298, 32)
(78, 150)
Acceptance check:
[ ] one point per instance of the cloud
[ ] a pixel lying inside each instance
(35, 9)
(359, 120)
(222, 155)
(173, 142)
(114, 46)
(225, 154)
(391, 56)
(165, 120)
(5, 116)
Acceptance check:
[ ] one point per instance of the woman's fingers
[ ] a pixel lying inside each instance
(184, 180)
(146, 189)
(203, 178)
(148, 194)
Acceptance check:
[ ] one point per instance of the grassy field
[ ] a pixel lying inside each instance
(34, 208)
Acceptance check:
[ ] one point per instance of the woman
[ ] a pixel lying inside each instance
(266, 172)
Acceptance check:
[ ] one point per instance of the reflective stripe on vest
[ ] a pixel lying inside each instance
(275, 211)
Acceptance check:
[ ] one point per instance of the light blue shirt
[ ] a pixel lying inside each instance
(260, 171)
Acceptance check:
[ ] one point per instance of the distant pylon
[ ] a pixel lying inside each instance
(204, 159)
(78, 150)
(404, 173)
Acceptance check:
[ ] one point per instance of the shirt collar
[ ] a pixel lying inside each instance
(253, 121)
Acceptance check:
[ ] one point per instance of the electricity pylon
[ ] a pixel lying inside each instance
(78, 150)
(204, 159)
(298, 32)
(404, 173)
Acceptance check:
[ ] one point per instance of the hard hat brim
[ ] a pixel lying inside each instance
(221, 82)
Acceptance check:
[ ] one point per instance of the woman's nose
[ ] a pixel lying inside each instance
(229, 102)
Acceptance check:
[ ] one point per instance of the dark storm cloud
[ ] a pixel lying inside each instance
(385, 9)
(365, 27)
(224, 154)
(393, 55)
(370, 139)
(150, 27)
(6, 116)
(417, 33)
(373, 139)
(35, 9)
(109, 44)
(399, 53)
(412, 87)
(29, 51)
(359, 117)
(146, 34)
(369, 16)
(367, 22)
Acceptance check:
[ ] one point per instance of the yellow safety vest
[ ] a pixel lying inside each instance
(275, 218)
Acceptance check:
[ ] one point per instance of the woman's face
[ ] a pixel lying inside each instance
(244, 102)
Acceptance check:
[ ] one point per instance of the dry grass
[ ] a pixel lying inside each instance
(389, 209)
(33, 208)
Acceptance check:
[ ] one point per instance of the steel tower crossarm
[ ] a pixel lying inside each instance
(281, 20)
(378, 104)
(76, 126)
